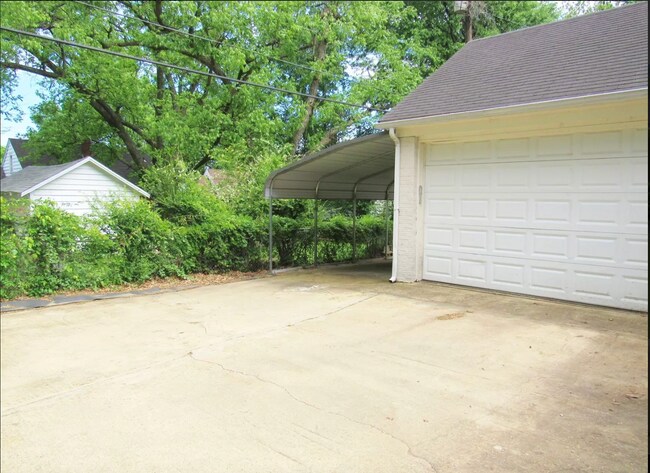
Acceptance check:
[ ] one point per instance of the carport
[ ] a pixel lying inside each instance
(358, 169)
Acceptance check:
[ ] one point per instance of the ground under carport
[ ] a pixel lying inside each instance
(329, 370)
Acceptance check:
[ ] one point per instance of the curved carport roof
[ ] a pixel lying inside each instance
(362, 168)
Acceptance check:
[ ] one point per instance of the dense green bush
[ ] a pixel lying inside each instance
(15, 257)
(145, 244)
(184, 228)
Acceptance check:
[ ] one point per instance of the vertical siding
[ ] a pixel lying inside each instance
(76, 190)
(10, 163)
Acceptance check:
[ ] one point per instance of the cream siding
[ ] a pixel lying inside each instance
(10, 163)
(76, 190)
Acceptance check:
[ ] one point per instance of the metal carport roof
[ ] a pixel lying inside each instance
(362, 168)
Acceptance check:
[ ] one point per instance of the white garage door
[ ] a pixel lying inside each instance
(556, 216)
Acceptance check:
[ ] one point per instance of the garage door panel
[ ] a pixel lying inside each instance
(555, 146)
(587, 212)
(639, 141)
(510, 275)
(637, 215)
(635, 252)
(635, 290)
(510, 211)
(550, 246)
(472, 239)
(561, 216)
(471, 270)
(582, 283)
(556, 176)
(597, 249)
(439, 268)
(638, 176)
(597, 176)
(559, 147)
(594, 283)
(509, 243)
(602, 143)
(517, 148)
(609, 250)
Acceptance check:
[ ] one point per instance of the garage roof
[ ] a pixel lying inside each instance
(600, 53)
(366, 164)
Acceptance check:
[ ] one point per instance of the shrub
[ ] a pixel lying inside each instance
(145, 245)
(53, 237)
(185, 228)
(15, 257)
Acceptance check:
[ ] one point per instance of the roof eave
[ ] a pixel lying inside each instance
(314, 156)
(524, 107)
(81, 162)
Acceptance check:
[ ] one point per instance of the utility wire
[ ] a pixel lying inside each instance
(185, 33)
(185, 69)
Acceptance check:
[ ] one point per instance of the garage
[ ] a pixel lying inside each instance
(562, 216)
(520, 165)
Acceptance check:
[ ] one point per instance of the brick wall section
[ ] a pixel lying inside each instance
(409, 262)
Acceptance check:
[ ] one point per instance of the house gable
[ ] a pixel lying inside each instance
(76, 190)
(72, 186)
(83, 162)
(10, 161)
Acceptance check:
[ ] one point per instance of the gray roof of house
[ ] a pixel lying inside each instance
(30, 176)
(17, 145)
(599, 53)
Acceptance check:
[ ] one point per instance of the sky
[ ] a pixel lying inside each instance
(28, 87)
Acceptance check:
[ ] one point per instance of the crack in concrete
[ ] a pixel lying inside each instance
(202, 325)
(334, 311)
(318, 408)
(14, 409)
(280, 452)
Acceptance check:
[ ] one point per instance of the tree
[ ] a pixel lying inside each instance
(367, 53)
(581, 7)
(157, 113)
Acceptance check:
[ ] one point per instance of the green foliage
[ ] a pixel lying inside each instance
(15, 257)
(146, 245)
(570, 9)
(45, 249)
(371, 53)
(52, 235)
(170, 124)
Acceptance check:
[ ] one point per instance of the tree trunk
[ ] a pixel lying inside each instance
(321, 49)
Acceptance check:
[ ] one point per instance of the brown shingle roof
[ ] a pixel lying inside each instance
(599, 53)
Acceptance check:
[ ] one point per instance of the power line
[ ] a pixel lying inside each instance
(185, 69)
(192, 35)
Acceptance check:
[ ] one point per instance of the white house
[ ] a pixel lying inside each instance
(72, 186)
(520, 165)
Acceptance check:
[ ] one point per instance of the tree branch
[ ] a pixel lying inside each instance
(33, 70)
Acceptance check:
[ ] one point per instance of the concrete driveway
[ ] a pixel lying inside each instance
(334, 370)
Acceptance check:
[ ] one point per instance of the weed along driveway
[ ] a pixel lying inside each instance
(329, 370)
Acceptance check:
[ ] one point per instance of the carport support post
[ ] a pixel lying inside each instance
(386, 225)
(354, 228)
(315, 232)
(271, 234)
